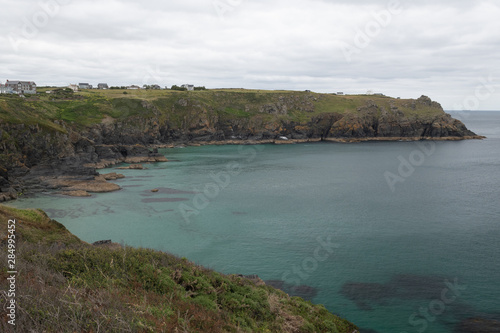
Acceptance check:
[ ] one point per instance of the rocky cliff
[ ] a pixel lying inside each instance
(45, 137)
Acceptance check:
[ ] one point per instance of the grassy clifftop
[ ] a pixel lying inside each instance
(66, 285)
(94, 106)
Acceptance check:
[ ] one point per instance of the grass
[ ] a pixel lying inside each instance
(92, 106)
(66, 285)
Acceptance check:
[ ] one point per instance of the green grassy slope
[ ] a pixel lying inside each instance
(92, 106)
(66, 285)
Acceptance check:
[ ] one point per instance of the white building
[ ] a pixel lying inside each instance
(189, 87)
(73, 87)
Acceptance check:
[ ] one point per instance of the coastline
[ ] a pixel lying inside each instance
(314, 140)
(86, 178)
(38, 154)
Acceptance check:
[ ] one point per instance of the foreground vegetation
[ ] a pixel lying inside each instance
(66, 285)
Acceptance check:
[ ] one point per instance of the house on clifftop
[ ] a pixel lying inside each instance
(84, 86)
(102, 86)
(73, 87)
(189, 87)
(21, 87)
(4, 90)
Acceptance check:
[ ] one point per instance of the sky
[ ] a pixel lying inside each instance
(445, 49)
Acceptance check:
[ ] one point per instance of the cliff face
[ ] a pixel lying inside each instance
(190, 121)
(372, 121)
(46, 138)
(31, 155)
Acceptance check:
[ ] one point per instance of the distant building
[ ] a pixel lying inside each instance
(340, 93)
(73, 87)
(21, 87)
(102, 86)
(84, 86)
(133, 87)
(189, 87)
(4, 89)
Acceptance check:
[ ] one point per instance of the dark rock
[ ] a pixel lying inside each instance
(304, 291)
(367, 330)
(479, 325)
(102, 242)
(406, 287)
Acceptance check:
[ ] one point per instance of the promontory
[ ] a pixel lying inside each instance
(52, 137)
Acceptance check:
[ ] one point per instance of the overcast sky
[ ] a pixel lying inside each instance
(446, 49)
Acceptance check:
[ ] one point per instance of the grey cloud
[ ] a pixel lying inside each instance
(439, 48)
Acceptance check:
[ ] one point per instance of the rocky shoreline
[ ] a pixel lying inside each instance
(64, 156)
(77, 179)
(315, 140)
(84, 179)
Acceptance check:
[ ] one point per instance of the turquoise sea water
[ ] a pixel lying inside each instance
(394, 236)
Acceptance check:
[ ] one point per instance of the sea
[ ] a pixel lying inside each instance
(397, 237)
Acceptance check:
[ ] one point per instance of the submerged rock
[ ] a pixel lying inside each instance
(78, 193)
(132, 167)
(479, 325)
(303, 291)
(402, 286)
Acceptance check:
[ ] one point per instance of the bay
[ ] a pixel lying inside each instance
(378, 232)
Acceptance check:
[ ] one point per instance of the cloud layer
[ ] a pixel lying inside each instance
(446, 50)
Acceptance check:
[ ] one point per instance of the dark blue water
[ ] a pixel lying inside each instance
(394, 236)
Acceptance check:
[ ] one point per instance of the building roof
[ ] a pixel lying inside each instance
(18, 82)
